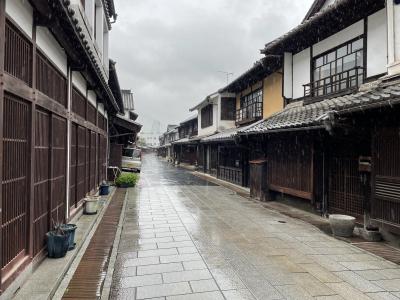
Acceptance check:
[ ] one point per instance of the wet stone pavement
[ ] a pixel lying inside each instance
(184, 238)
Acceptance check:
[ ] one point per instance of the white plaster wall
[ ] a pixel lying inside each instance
(48, 44)
(301, 72)
(341, 37)
(377, 43)
(79, 82)
(22, 13)
(92, 98)
(101, 108)
(288, 75)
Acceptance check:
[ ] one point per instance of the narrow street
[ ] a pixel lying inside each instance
(185, 238)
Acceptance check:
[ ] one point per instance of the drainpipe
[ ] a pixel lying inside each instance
(69, 96)
(393, 31)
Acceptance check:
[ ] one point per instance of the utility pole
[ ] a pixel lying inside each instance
(227, 74)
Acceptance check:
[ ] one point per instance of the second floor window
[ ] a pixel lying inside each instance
(251, 107)
(207, 116)
(337, 70)
(228, 107)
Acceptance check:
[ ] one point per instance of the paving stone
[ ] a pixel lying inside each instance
(142, 261)
(160, 268)
(175, 244)
(313, 286)
(135, 281)
(207, 285)
(157, 252)
(382, 296)
(347, 291)
(359, 282)
(238, 295)
(294, 292)
(168, 289)
(194, 265)
(186, 276)
(321, 273)
(156, 240)
(199, 296)
(391, 285)
(368, 265)
(180, 257)
(187, 250)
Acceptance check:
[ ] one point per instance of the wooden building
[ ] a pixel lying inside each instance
(251, 97)
(336, 142)
(186, 147)
(57, 94)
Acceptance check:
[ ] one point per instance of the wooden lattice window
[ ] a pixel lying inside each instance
(18, 54)
(228, 108)
(50, 81)
(207, 116)
(78, 103)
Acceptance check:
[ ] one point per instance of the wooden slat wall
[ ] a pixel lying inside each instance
(78, 103)
(41, 180)
(18, 55)
(59, 168)
(81, 164)
(290, 165)
(33, 93)
(50, 81)
(386, 176)
(73, 167)
(15, 190)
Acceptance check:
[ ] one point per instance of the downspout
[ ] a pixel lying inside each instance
(68, 171)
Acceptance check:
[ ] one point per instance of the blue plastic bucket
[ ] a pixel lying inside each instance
(104, 190)
(69, 230)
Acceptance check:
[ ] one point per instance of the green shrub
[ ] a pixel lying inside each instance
(127, 179)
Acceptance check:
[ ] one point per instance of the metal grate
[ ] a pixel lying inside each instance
(88, 280)
(18, 54)
(382, 250)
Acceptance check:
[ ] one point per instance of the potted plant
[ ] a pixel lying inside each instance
(126, 180)
(57, 242)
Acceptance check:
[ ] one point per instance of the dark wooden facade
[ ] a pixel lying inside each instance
(34, 127)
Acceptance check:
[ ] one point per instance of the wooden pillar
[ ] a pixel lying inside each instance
(2, 54)
(31, 179)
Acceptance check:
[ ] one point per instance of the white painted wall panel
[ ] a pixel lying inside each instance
(377, 44)
(48, 44)
(341, 37)
(288, 75)
(101, 108)
(22, 13)
(301, 72)
(79, 82)
(92, 98)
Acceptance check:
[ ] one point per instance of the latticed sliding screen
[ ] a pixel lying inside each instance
(18, 54)
(41, 203)
(50, 81)
(15, 183)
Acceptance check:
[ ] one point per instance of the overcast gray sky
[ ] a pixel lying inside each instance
(169, 52)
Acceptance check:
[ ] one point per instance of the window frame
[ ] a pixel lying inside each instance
(207, 116)
(228, 110)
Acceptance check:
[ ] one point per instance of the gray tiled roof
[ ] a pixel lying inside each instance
(376, 94)
(228, 134)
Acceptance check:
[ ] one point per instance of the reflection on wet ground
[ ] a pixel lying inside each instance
(184, 238)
